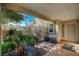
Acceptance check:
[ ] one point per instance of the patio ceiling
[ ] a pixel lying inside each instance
(60, 11)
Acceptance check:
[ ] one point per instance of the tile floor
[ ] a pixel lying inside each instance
(56, 49)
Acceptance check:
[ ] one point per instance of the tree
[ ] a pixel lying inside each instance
(7, 16)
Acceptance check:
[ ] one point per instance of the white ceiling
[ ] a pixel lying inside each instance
(62, 11)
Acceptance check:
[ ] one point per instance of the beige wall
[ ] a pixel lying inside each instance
(59, 30)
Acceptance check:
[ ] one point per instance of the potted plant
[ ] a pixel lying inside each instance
(30, 41)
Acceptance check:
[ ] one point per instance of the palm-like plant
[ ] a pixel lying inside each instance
(7, 16)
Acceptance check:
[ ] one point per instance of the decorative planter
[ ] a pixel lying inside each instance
(20, 51)
(31, 50)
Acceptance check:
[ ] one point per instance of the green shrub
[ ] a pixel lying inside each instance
(11, 32)
(31, 40)
(8, 46)
(21, 36)
(8, 39)
(14, 38)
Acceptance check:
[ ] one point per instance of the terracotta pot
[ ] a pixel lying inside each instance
(20, 51)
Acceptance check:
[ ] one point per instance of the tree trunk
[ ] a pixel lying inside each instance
(1, 33)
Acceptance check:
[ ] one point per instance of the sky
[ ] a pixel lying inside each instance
(27, 19)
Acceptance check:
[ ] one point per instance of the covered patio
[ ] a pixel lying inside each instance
(39, 29)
